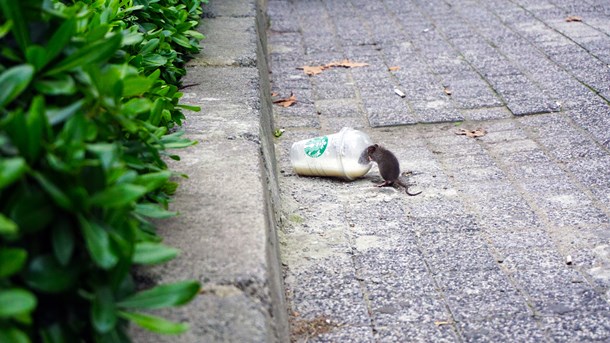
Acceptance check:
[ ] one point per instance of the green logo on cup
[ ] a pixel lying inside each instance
(315, 147)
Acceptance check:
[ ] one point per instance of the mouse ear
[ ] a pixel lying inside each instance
(372, 149)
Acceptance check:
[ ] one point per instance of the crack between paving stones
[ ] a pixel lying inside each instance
(358, 274)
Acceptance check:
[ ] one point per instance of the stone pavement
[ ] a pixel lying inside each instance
(510, 239)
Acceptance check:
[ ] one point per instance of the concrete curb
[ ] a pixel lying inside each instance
(228, 205)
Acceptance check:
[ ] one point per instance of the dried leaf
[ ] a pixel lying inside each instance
(472, 133)
(447, 90)
(313, 70)
(346, 64)
(573, 18)
(287, 101)
(443, 322)
(274, 94)
(395, 68)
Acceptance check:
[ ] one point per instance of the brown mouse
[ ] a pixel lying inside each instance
(389, 168)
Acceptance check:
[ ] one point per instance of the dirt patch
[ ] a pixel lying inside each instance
(301, 330)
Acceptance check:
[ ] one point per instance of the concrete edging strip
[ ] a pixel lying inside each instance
(228, 205)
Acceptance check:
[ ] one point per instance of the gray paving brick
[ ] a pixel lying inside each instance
(581, 326)
(503, 329)
(417, 332)
(344, 333)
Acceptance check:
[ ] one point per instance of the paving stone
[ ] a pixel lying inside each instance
(581, 326)
(340, 108)
(434, 207)
(341, 310)
(463, 252)
(522, 239)
(522, 259)
(417, 333)
(388, 112)
(343, 333)
(502, 329)
(484, 113)
(481, 295)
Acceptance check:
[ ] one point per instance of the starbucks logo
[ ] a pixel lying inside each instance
(315, 147)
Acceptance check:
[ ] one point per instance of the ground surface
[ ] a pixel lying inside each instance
(483, 254)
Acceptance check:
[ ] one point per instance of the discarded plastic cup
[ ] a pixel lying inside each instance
(333, 155)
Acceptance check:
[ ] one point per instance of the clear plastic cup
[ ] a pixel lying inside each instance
(333, 155)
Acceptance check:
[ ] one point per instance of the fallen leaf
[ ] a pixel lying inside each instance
(472, 133)
(347, 64)
(286, 102)
(395, 68)
(274, 94)
(573, 18)
(447, 90)
(313, 70)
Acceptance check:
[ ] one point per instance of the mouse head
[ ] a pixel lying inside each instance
(371, 149)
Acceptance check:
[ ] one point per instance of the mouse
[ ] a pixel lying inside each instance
(389, 168)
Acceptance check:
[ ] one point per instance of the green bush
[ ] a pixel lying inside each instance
(88, 93)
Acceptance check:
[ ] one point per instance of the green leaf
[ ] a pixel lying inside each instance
(153, 253)
(7, 226)
(58, 115)
(5, 28)
(16, 301)
(132, 38)
(175, 294)
(154, 60)
(155, 324)
(62, 239)
(63, 85)
(106, 152)
(56, 333)
(60, 38)
(16, 128)
(150, 46)
(153, 181)
(189, 107)
(93, 53)
(157, 111)
(153, 211)
(136, 106)
(103, 310)
(12, 11)
(98, 244)
(37, 125)
(11, 169)
(46, 275)
(11, 261)
(195, 34)
(55, 192)
(14, 81)
(119, 195)
(182, 41)
(13, 335)
(136, 85)
(31, 211)
(36, 56)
